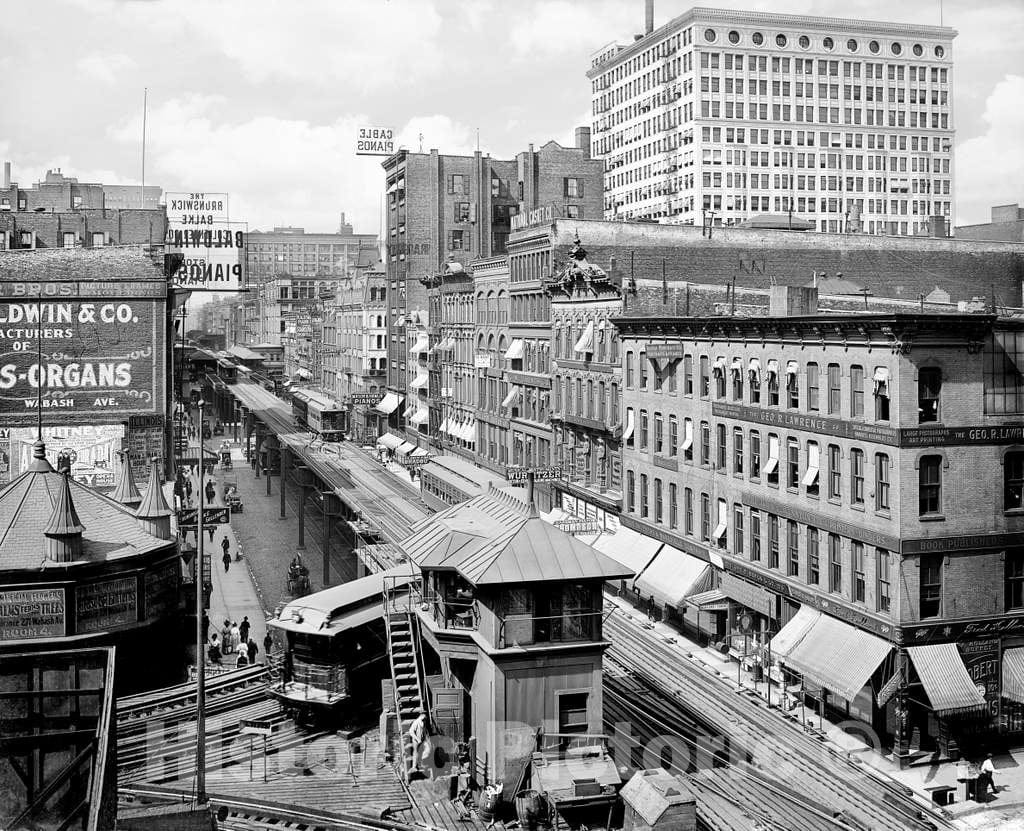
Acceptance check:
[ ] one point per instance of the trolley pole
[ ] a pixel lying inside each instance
(200, 639)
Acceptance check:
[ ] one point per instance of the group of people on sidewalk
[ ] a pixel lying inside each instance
(233, 640)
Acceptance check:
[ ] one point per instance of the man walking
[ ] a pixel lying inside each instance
(252, 649)
(418, 734)
(226, 559)
(243, 629)
(225, 545)
(986, 779)
(268, 644)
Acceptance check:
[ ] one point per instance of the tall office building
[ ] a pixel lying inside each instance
(721, 116)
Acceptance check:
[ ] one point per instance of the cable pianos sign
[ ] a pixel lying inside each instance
(99, 357)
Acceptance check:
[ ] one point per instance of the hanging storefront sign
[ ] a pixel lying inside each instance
(213, 247)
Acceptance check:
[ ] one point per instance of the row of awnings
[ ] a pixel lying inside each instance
(422, 344)
(462, 430)
(416, 413)
(443, 345)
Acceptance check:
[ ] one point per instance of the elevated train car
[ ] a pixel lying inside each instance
(335, 645)
(319, 414)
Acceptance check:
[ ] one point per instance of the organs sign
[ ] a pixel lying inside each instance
(92, 357)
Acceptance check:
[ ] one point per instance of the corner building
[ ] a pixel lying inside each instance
(847, 123)
(856, 480)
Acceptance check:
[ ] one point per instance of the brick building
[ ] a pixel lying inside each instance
(854, 479)
(491, 286)
(733, 114)
(1007, 225)
(464, 207)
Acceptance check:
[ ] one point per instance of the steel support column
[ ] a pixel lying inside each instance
(285, 457)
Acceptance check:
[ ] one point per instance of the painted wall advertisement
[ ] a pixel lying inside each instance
(32, 613)
(98, 358)
(161, 586)
(981, 658)
(92, 449)
(106, 604)
(214, 247)
(145, 441)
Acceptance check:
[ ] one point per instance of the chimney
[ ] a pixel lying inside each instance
(793, 301)
(648, 16)
(126, 492)
(7, 175)
(64, 530)
(153, 515)
(583, 140)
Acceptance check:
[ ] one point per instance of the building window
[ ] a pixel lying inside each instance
(773, 389)
(834, 473)
(881, 482)
(737, 534)
(737, 384)
(737, 450)
(631, 491)
(658, 516)
(835, 564)
(705, 517)
(1013, 480)
(688, 375)
(771, 467)
(722, 451)
(457, 240)
(882, 587)
(813, 380)
(573, 212)
(793, 464)
(643, 495)
(755, 534)
(857, 391)
(755, 386)
(719, 372)
(773, 541)
(458, 183)
(705, 379)
(792, 548)
(573, 187)
(68, 238)
(643, 429)
(813, 561)
(630, 378)
(881, 394)
(643, 370)
(462, 212)
(688, 439)
(659, 434)
(857, 476)
(98, 239)
(931, 586)
(673, 436)
(673, 505)
(857, 564)
(705, 443)
(811, 474)
(930, 485)
(792, 386)
(929, 385)
(834, 394)
(755, 454)
(688, 511)
(1014, 580)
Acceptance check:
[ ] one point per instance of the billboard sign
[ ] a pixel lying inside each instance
(107, 604)
(99, 358)
(214, 248)
(375, 141)
(32, 613)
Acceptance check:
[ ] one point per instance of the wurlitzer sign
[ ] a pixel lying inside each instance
(375, 141)
(213, 247)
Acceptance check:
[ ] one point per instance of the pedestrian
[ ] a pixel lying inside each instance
(211, 492)
(418, 735)
(236, 639)
(241, 656)
(213, 653)
(226, 559)
(986, 778)
(252, 649)
(225, 545)
(268, 644)
(244, 627)
(651, 607)
(188, 491)
(225, 635)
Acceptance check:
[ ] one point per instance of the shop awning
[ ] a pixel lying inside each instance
(420, 381)
(1013, 674)
(405, 448)
(389, 403)
(712, 600)
(670, 576)
(723, 521)
(946, 682)
(421, 416)
(631, 548)
(515, 351)
(586, 342)
(512, 397)
(630, 426)
(793, 632)
(302, 373)
(419, 451)
(687, 434)
(838, 656)
(422, 344)
(772, 463)
(813, 460)
(389, 441)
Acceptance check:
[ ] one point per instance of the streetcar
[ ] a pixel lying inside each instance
(335, 646)
(319, 414)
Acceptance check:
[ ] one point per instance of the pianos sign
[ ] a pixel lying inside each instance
(375, 141)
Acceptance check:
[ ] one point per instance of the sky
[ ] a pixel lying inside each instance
(262, 99)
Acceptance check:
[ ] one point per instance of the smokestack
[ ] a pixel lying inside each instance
(583, 140)
(7, 175)
(648, 16)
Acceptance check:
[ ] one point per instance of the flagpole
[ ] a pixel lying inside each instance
(142, 190)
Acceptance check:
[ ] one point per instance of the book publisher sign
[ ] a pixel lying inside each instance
(98, 358)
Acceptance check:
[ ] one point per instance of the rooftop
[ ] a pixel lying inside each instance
(106, 264)
(498, 538)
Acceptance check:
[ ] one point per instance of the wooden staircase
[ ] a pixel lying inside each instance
(407, 679)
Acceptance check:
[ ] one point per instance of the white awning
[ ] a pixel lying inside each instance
(772, 368)
(421, 345)
(772, 464)
(687, 434)
(881, 378)
(719, 531)
(420, 381)
(670, 576)
(389, 403)
(630, 425)
(754, 367)
(737, 366)
(512, 397)
(419, 451)
(405, 448)
(515, 351)
(409, 410)
(718, 367)
(793, 632)
(302, 373)
(468, 431)
(813, 462)
(586, 342)
(446, 344)
(421, 416)
(792, 367)
(389, 441)
(723, 521)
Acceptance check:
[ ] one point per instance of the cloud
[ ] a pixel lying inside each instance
(105, 67)
(990, 167)
(555, 26)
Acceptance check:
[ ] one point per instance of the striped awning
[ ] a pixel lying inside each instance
(389, 441)
(945, 679)
(838, 656)
(1013, 674)
(793, 632)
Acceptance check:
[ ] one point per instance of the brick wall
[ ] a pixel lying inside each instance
(119, 227)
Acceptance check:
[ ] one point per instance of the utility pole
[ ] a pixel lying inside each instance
(200, 639)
